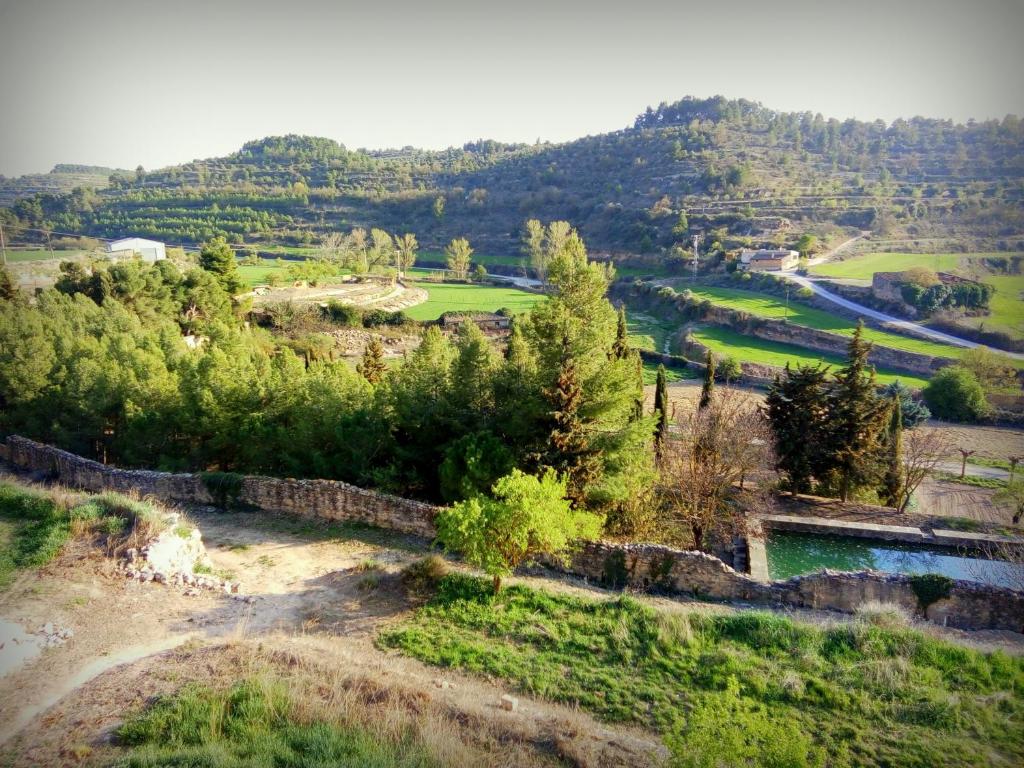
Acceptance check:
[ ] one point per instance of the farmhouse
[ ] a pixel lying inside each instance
(768, 259)
(128, 247)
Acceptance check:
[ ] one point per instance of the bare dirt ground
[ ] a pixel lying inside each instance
(314, 597)
(317, 599)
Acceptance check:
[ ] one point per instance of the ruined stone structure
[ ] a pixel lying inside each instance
(641, 566)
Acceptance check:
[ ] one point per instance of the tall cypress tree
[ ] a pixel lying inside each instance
(620, 349)
(892, 485)
(660, 411)
(857, 417)
(708, 390)
(569, 451)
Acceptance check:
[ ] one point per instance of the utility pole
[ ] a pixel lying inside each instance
(696, 242)
(3, 246)
(787, 301)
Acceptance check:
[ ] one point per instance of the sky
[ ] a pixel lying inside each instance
(121, 83)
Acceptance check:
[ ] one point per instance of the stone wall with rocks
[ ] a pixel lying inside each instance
(616, 565)
(659, 568)
(328, 499)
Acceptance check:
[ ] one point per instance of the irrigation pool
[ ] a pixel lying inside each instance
(794, 554)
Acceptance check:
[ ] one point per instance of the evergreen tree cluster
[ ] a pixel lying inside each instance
(100, 365)
(836, 435)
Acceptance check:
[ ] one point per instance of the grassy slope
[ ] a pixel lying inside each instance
(800, 314)
(1007, 307)
(469, 298)
(864, 266)
(729, 343)
(254, 724)
(861, 695)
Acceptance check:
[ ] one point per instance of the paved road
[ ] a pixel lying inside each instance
(874, 314)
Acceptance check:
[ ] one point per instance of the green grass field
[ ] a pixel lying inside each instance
(470, 298)
(729, 343)
(864, 266)
(39, 254)
(1006, 305)
(800, 314)
(257, 275)
(737, 689)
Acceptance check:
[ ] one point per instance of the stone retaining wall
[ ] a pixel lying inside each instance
(768, 329)
(655, 567)
(328, 499)
(641, 566)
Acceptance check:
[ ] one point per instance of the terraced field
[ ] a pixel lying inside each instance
(729, 343)
(800, 314)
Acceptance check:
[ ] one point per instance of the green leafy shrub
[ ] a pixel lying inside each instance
(225, 487)
(930, 588)
(954, 393)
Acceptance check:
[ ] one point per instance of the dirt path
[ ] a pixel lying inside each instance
(314, 593)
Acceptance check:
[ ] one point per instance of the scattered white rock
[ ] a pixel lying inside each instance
(509, 703)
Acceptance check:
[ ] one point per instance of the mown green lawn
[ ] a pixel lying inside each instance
(764, 305)
(746, 688)
(728, 343)
(470, 298)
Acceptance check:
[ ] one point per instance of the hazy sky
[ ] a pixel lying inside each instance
(156, 82)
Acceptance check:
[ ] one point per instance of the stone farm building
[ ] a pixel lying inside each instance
(127, 247)
(768, 259)
(489, 322)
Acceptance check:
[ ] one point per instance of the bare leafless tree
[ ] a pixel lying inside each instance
(965, 455)
(923, 451)
(717, 465)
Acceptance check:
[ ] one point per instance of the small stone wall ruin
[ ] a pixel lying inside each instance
(641, 566)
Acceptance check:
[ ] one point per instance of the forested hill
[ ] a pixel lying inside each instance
(733, 165)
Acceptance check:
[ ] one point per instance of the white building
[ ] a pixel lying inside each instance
(768, 259)
(126, 248)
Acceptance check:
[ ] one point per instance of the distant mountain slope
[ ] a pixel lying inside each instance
(63, 178)
(737, 169)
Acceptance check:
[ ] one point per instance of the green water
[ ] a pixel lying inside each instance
(793, 554)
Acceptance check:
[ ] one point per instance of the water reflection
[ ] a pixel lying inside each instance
(793, 554)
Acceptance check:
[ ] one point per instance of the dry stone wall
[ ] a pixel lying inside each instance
(640, 566)
(328, 499)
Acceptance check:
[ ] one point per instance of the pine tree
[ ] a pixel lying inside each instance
(798, 412)
(620, 349)
(372, 366)
(660, 411)
(856, 419)
(217, 257)
(893, 482)
(708, 390)
(569, 451)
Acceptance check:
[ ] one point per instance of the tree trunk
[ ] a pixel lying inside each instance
(497, 584)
